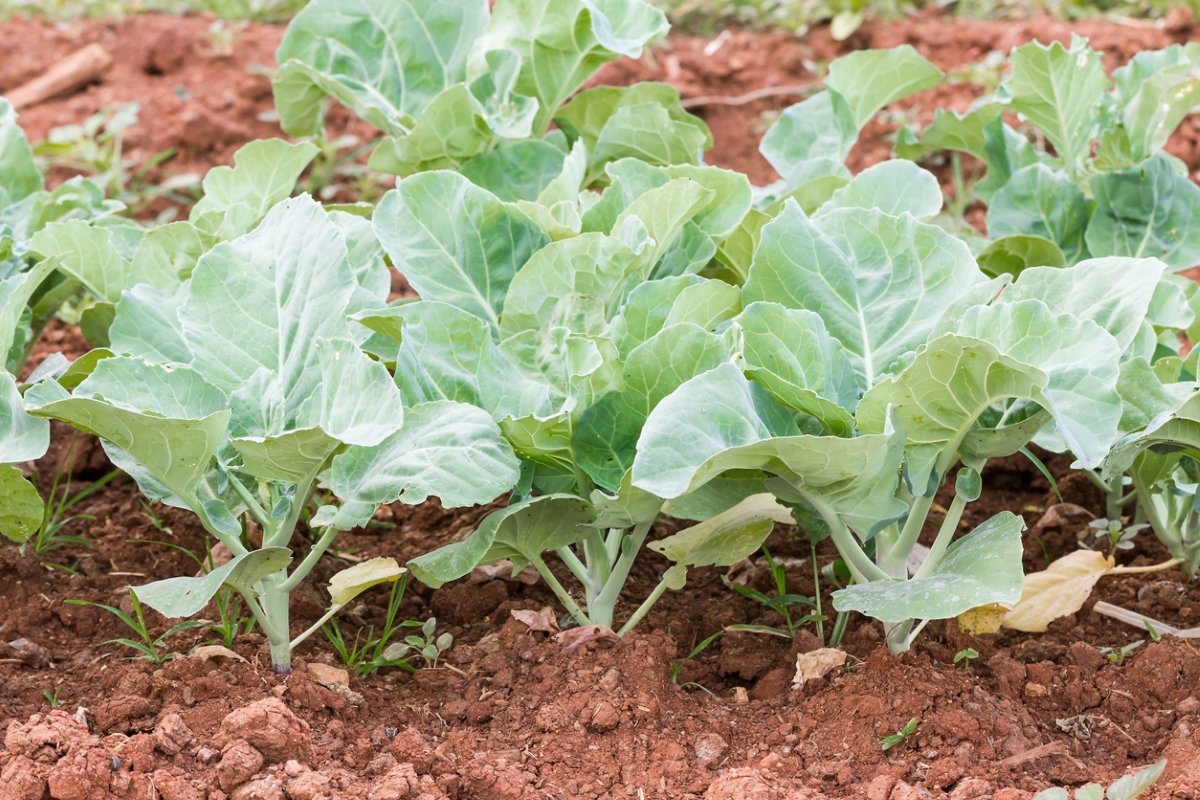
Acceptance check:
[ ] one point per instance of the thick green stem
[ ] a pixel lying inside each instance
(644, 608)
(944, 536)
(275, 605)
(578, 569)
(899, 636)
(561, 593)
(909, 534)
(310, 560)
(631, 545)
(862, 568)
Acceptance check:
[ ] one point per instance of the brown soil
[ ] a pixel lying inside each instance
(511, 715)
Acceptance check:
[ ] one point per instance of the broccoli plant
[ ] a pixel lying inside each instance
(237, 393)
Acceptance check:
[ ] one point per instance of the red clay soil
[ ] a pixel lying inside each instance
(510, 714)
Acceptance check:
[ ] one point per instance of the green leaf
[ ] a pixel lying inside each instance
(455, 242)
(705, 304)
(262, 301)
(1155, 112)
(183, 597)
(951, 131)
(645, 311)
(21, 507)
(22, 437)
(521, 171)
(878, 282)
(811, 139)
(893, 187)
(629, 505)
(737, 251)
(384, 59)
(527, 529)
(19, 175)
(1079, 358)
(1131, 786)
(94, 323)
(147, 325)
(940, 398)
(663, 212)
(1013, 254)
(447, 449)
(1143, 396)
(790, 354)
(449, 133)
(86, 253)
(605, 437)
(168, 254)
(1057, 89)
(1043, 202)
(1145, 212)
(563, 42)
(264, 173)
(980, 568)
(869, 80)
(15, 294)
(1115, 293)
(648, 132)
(728, 537)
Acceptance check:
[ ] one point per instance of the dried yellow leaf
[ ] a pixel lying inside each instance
(983, 619)
(1059, 590)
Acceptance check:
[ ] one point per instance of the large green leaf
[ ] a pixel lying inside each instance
(15, 293)
(86, 253)
(790, 354)
(878, 282)
(811, 139)
(521, 171)
(168, 254)
(1057, 89)
(983, 567)
(147, 325)
(1154, 113)
(1115, 293)
(455, 242)
(940, 398)
(605, 438)
(447, 449)
(263, 300)
(563, 42)
(21, 507)
(22, 437)
(726, 538)
(869, 80)
(1043, 202)
(1079, 358)
(449, 133)
(183, 597)
(384, 59)
(1012, 255)
(893, 187)
(525, 529)
(951, 131)
(645, 311)
(19, 176)
(264, 173)
(1146, 212)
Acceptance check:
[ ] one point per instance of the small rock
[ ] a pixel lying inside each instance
(880, 787)
(239, 761)
(206, 755)
(82, 774)
(325, 674)
(309, 786)
(904, 791)
(479, 713)
(46, 738)
(268, 788)
(1084, 655)
(31, 654)
(972, 789)
(171, 734)
(1036, 690)
(294, 769)
(740, 696)
(604, 718)
(944, 773)
(402, 782)
(270, 727)
(21, 779)
(610, 680)
(709, 749)
(771, 762)
(171, 787)
(1189, 706)
(139, 750)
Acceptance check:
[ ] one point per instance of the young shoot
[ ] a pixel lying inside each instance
(888, 742)
(966, 656)
(1117, 655)
(785, 605)
(678, 664)
(147, 647)
(425, 644)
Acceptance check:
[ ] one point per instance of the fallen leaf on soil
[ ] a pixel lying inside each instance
(503, 570)
(323, 673)
(348, 583)
(983, 619)
(1061, 515)
(817, 664)
(1060, 589)
(537, 620)
(219, 556)
(575, 638)
(215, 651)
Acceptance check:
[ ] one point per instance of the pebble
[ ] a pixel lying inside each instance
(709, 749)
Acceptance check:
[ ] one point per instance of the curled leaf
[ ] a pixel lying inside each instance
(215, 651)
(817, 664)
(1059, 590)
(349, 583)
(537, 620)
(983, 619)
(574, 638)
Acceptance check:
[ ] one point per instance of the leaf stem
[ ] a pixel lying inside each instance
(944, 536)
(310, 560)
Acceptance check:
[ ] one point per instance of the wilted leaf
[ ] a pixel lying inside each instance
(983, 619)
(1060, 589)
(817, 664)
(574, 638)
(543, 620)
(349, 583)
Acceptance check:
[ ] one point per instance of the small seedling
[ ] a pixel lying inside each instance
(54, 520)
(52, 697)
(783, 604)
(677, 664)
(1117, 654)
(1111, 533)
(425, 645)
(1155, 636)
(369, 657)
(155, 520)
(148, 647)
(966, 657)
(888, 742)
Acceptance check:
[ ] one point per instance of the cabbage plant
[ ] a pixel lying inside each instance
(1124, 196)
(876, 357)
(455, 86)
(243, 390)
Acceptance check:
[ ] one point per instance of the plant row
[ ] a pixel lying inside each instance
(610, 332)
